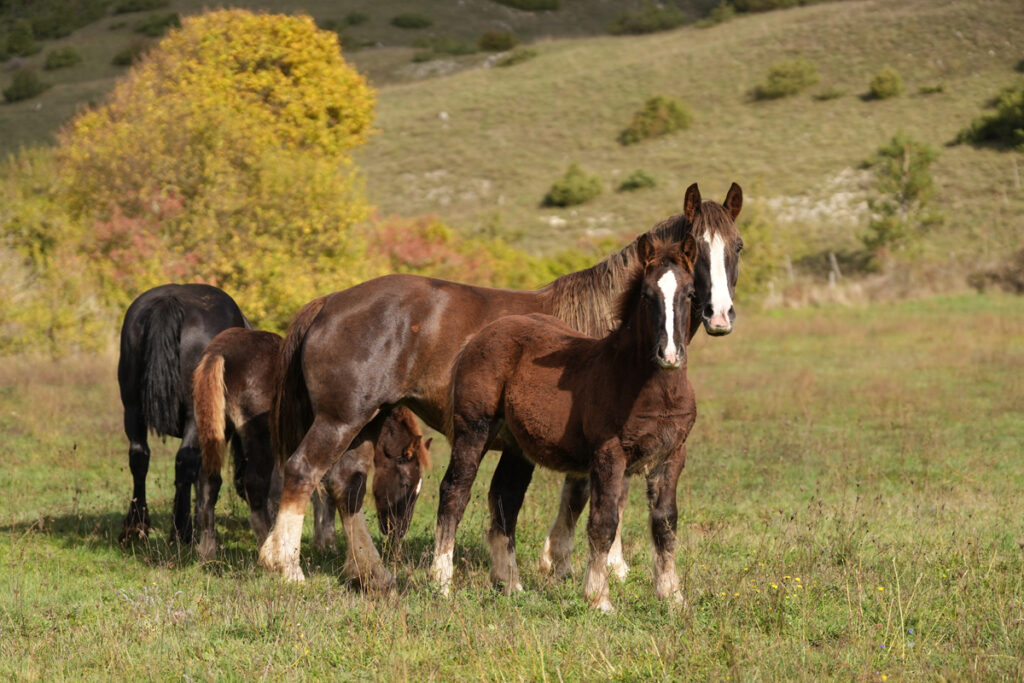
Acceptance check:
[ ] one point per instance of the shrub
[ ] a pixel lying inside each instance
(21, 40)
(62, 57)
(532, 5)
(661, 115)
(497, 41)
(26, 85)
(718, 15)
(767, 5)
(885, 84)
(356, 18)
(904, 187)
(637, 180)
(575, 187)
(226, 158)
(131, 54)
(932, 89)
(411, 20)
(786, 78)
(126, 6)
(444, 46)
(1003, 127)
(649, 19)
(158, 24)
(830, 93)
(1008, 276)
(517, 56)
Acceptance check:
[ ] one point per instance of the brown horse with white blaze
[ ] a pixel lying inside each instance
(351, 356)
(605, 408)
(233, 389)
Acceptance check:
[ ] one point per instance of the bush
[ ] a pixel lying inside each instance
(226, 158)
(885, 84)
(1008, 276)
(650, 19)
(26, 85)
(517, 56)
(767, 5)
(130, 54)
(661, 115)
(126, 6)
(831, 93)
(718, 15)
(531, 5)
(786, 78)
(931, 89)
(21, 39)
(158, 24)
(444, 46)
(1005, 126)
(637, 180)
(497, 41)
(62, 57)
(411, 20)
(575, 187)
(356, 18)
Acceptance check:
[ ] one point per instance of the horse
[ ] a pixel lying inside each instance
(233, 388)
(164, 333)
(351, 355)
(606, 408)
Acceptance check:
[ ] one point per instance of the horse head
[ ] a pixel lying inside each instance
(399, 459)
(719, 242)
(666, 290)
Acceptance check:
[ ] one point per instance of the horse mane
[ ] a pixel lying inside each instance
(628, 299)
(588, 300)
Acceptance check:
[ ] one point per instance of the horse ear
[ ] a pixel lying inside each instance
(734, 201)
(414, 446)
(689, 251)
(645, 250)
(691, 203)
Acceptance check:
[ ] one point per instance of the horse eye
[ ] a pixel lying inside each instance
(739, 246)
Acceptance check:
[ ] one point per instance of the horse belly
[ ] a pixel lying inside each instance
(541, 420)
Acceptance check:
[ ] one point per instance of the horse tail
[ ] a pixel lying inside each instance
(292, 411)
(208, 392)
(163, 392)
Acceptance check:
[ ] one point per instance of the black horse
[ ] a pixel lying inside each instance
(164, 334)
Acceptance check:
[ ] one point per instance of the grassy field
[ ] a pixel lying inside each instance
(847, 512)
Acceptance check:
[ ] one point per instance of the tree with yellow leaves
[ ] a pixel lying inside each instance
(224, 157)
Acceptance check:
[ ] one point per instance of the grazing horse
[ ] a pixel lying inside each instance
(164, 333)
(351, 355)
(605, 407)
(233, 389)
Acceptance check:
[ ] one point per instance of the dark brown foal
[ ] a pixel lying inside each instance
(606, 408)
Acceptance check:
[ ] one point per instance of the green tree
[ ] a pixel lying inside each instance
(901, 211)
(224, 157)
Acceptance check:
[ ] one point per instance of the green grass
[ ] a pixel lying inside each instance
(847, 511)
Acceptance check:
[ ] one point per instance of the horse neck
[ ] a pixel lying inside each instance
(585, 300)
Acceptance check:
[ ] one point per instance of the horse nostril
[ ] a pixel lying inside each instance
(708, 311)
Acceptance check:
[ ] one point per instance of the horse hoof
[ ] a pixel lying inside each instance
(293, 575)
(207, 551)
(619, 569)
(604, 606)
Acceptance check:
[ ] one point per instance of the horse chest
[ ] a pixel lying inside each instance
(648, 447)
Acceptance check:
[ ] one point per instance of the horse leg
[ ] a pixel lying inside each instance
(322, 445)
(616, 562)
(137, 522)
(556, 555)
(324, 537)
(605, 489)
(186, 473)
(259, 471)
(661, 495)
(467, 451)
(207, 491)
(508, 487)
(346, 483)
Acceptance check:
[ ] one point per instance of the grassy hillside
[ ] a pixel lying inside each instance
(480, 146)
(843, 515)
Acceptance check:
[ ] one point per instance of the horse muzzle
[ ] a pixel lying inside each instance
(720, 324)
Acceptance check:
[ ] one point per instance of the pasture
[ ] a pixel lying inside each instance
(848, 510)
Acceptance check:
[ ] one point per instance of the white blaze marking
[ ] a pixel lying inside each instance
(419, 485)
(667, 283)
(721, 300)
